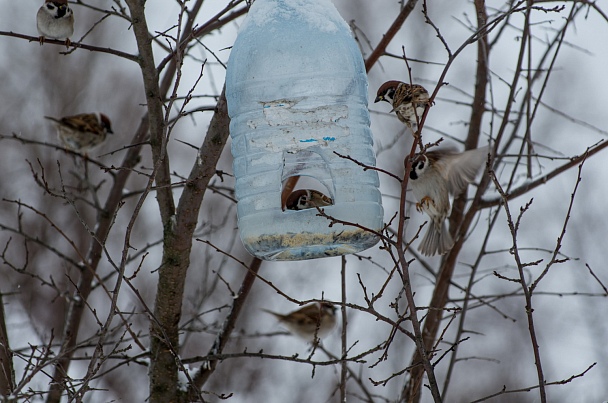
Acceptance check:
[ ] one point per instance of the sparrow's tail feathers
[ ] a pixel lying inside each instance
(52, 118)
(437, 240)
(277, 315)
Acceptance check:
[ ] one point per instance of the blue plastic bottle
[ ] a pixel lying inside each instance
(297, 94)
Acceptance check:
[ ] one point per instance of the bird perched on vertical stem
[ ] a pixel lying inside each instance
(82, 132)
(55, 20)
(311, 322)
(303, 199)
(434, 176)
(408, 100)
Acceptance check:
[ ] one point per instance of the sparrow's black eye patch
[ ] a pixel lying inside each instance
(50, 6)
(421, 165)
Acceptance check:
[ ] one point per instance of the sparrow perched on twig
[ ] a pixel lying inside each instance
(434, 176)
(311, 322)
(82, 132)
(404, 98)
(55, 20)
(303, 199)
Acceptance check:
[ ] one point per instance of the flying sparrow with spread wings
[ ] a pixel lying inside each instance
(311, 322)
(303, 199)
(434, 176)
(55, 20)
(408, 101)
(82, 132)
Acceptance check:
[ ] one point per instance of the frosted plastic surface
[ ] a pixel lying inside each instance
(297, 93)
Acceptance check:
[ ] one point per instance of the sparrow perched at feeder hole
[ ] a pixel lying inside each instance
(303, 199)
(408, 100)
(82, 132)
(55, 20)
(311, 322)
(433, 177)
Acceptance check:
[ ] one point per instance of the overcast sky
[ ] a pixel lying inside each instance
(572, 330)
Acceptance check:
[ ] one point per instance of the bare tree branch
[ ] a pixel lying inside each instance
(7, 371)
(74, 45)
(390, 34)
(208, 367)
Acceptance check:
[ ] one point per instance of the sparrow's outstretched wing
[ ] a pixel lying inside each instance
(459, 169)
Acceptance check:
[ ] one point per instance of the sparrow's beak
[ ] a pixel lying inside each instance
(379, 98)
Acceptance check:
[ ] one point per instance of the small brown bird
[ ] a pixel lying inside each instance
(404, 97)
(303, 199)
(82, 132)
(434, 177)
(311, 322)
(55, 20)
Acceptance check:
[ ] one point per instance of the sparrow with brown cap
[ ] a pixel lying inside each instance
(303, 199)
(433, 177)
(82, 132)
(311, 323)
(408, 100)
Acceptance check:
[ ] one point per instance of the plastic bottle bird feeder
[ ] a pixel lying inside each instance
(297, 94)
